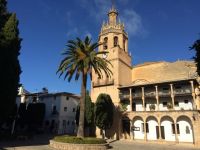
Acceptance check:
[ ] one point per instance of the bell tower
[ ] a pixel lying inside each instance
(114, 40)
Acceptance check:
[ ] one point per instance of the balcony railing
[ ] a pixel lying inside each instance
(137, 95)
(103, 83)
(182, 91)
(124, 96)
(150, 94)
(164, 93)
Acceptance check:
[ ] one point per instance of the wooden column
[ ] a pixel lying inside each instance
(143, 99)
(157, 97)
(131, 99)
(172, 95)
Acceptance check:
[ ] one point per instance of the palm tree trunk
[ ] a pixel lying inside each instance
(82, 107)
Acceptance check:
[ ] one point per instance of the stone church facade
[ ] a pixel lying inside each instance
(155, 101)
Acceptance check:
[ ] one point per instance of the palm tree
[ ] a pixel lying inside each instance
(80, 58)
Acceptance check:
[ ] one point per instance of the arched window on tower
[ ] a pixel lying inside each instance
(124, 44)
(105, 43)
(115, 41)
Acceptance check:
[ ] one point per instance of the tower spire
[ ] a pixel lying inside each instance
(112, 14)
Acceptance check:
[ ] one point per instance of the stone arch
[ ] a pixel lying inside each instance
(167, 128)
(137, 129)
(151, 125)
(105, 43)
(185, 129)
(126, 126)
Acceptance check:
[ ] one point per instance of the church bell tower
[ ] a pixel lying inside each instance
(114, 40)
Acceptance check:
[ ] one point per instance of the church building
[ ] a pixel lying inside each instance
(155, 101)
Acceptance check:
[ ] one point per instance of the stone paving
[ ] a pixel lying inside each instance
(41, 143)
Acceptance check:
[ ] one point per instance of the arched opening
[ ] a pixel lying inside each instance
(105, 43)
(115, 43)
(124, 44)
(126, 127)
(185, 129)
(167, 127)
(137, 128)
(152, 128)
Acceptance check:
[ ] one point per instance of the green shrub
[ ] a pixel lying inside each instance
(76, 140)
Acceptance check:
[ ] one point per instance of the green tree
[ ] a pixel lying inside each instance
(104, 112)
(196, 47)
(89, 110)
(9, 63)
(80, 58)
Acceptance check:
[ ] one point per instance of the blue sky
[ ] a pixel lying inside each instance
(159, 30)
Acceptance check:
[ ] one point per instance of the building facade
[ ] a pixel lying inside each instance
(157, 101)
(60, 110)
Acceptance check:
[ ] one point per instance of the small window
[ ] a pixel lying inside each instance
(65, 108)
(187, 130)
(74, 110)
(186, 101)
(54, 108)
(67, 98)
(164, 104)
(68, 122)
(64, 123)
(176, 103)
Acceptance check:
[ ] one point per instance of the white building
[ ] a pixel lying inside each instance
(60, 109)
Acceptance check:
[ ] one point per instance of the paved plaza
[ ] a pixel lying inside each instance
(41, 143)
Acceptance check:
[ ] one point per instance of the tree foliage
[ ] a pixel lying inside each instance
(9, 63)
(104, 112)
(80, 58)
(89, 111)
(196, 47)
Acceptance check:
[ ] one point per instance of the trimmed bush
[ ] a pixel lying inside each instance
(77, 140)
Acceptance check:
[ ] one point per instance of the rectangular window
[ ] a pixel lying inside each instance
(64, 123)
(65, 108)
(186, 101)
(67, 98)
(74, 110)
(173, 128)
(177, 127)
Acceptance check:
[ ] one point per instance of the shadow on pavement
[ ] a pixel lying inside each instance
(33, 141)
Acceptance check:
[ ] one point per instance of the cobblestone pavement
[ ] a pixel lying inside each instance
(39, 143)
(132, 145)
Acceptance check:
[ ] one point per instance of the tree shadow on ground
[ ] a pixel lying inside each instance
(42, 139)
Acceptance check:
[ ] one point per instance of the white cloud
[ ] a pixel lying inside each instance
(133, 23)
